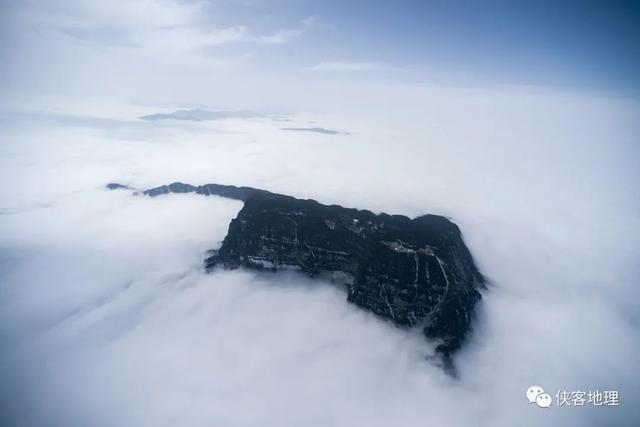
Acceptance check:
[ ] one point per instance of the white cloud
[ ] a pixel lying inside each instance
(346, 66)
(107, 320)
(190, 39)
(121, 14)
(164, 31)
(279, 37)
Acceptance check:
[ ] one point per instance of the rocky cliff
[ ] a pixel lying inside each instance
(414, 272)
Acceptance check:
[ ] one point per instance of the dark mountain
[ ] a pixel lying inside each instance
(116, 186)
(414, 272)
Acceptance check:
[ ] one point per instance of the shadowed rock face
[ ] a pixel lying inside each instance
(116, 186)
(410, 271)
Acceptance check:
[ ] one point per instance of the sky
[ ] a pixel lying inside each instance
(265, 52)
(517, 120)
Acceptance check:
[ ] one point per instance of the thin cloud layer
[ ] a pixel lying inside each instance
(346, 66)
(317, 130)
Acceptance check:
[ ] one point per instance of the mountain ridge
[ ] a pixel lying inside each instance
(411, 271)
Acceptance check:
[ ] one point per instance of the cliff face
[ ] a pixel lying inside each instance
(414, 272)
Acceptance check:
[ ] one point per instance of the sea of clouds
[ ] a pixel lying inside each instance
(107, 318)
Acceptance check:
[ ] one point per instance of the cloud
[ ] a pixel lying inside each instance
(279, 37)
(317, 130)
(106, 317)
(346, 66)
(173, 32)
(119, 14)
(193, 39)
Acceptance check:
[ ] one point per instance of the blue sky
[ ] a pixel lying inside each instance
(589, 43)
(273, 47)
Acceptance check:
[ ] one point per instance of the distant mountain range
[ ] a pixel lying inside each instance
(199, 115)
